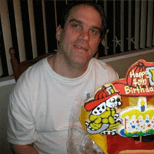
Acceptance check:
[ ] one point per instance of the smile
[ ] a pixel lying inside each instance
(80, 47)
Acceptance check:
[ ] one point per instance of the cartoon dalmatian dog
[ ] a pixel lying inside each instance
(103, 118)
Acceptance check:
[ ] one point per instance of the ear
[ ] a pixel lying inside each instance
(58, 33)
(103, 42)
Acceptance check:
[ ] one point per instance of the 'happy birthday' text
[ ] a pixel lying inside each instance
(131, 90)
(140, 74)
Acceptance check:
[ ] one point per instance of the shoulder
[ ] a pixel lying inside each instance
(34, 71)
(104, 69)
(31, 77)
(100, 64)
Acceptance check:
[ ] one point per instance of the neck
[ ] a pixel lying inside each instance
(64, 68)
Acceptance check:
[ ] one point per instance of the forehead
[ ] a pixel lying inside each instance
(85, 13)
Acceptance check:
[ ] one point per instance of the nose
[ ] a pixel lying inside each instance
(84, 35)
(118, 99)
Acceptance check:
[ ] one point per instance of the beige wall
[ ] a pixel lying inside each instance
(4, 97)
(122, 65)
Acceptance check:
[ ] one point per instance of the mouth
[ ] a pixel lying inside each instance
(80, 47)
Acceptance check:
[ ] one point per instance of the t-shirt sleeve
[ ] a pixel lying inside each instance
(21, 129)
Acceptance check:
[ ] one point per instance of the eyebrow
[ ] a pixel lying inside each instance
(75, 20)
(80, 22)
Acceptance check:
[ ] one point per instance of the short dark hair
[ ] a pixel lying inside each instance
(96, 6)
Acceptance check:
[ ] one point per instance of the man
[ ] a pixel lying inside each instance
(42, 99)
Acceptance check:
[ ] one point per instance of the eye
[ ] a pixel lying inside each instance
(76, 26)
(112, 100)
(95, 31)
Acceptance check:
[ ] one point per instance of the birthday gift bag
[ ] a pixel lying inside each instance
(120, 115)
(79, 141)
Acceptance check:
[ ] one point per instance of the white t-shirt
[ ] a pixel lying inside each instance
(41, 102)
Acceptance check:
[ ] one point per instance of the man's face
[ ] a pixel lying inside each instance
(80, 37)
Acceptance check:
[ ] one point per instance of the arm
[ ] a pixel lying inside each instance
(23, 149)
(21, 130)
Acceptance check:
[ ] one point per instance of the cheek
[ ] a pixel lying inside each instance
(94, 43)
(69, 37)
(64, 41)
(94, 46)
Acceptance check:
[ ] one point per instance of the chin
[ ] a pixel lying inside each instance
(82, 61)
